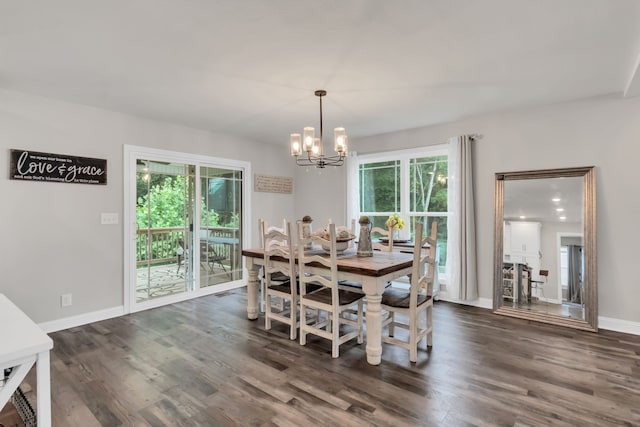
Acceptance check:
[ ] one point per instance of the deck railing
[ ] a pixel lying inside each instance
(161, 245)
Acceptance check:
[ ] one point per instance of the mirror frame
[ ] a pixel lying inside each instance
(588, 173)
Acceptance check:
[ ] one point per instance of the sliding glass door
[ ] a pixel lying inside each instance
(220, 225)
(188, 214)
(164, 210)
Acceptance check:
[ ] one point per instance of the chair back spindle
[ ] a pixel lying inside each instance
(387, 234)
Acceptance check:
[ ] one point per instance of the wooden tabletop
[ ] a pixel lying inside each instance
(380, 264)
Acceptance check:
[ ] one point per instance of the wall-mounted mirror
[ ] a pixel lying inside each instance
(545, 246)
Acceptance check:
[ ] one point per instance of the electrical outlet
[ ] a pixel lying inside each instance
(108, 218)
(66, 300)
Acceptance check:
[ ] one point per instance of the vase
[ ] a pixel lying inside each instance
(365, 247)
(306, 233)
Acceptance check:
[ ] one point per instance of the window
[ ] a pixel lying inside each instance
(412, 183)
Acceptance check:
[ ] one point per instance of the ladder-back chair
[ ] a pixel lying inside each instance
(329, 299)
(418, 299)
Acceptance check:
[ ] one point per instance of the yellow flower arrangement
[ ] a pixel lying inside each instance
(395, 222)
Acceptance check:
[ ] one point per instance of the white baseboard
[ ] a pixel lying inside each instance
(608, 323)
(480, 302)
(81, 319)
(619, 325)
(109, 313)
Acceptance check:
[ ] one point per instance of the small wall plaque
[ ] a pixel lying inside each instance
(273, 184)
(48, 167)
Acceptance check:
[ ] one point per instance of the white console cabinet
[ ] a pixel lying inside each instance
(22, 345)
(522, 244)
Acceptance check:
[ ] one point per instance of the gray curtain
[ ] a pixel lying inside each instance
(461, 245)
(574, 255)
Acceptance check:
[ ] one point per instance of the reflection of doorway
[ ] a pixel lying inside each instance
(185, 214)
(571, 268)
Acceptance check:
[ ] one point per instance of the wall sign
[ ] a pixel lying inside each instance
(273, 184)
(48, 167)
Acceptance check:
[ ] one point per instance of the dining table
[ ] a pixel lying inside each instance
(374, 272)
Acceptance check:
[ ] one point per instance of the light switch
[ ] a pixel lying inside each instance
(108, 218)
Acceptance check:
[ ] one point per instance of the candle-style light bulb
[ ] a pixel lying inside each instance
(296, 146)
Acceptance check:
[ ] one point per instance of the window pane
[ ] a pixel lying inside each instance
(163, 209)
(378, 221)
(380, 187)
(428, 184)
(441, 253)
(220, 226)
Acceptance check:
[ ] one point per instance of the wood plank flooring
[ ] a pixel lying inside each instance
(202, 363)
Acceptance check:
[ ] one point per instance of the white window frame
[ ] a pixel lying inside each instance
(130, 154)
(405, 157)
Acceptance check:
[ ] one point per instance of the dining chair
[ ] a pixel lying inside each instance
(351, 285)
(353, 232)
(210, 257)
(275, 277)
(419, 298)
(386, 234)
(262, 221)
(278, 244)
(329, 299)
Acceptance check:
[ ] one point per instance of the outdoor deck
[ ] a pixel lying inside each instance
(163, 280)
(160, 251)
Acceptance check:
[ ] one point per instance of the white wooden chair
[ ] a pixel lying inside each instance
(353, 232)
(278, 244)
(276, 277)
(264, 222)
(329, 299)
(350, 285)
(385, 234)
(418, 299)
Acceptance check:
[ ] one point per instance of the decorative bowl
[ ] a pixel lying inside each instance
(341, 245)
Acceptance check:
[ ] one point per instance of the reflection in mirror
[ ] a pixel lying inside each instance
(545, 246)
(542, 232)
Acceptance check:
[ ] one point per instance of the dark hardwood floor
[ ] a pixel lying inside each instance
(202, 363)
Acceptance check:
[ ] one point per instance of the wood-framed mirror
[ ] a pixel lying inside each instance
(545, 246)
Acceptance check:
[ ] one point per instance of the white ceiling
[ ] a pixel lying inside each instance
(250, 67)
(533, 199)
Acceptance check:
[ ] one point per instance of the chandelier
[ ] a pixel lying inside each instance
(312, 147)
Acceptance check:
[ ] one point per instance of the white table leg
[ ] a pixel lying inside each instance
(252, 290)
(43, 378)
(374, 329)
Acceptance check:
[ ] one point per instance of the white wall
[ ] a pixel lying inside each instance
(604, 132)
(53, 242)
(320, 193)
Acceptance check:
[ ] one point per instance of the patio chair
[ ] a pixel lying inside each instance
(209, 257)
(181, 252)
